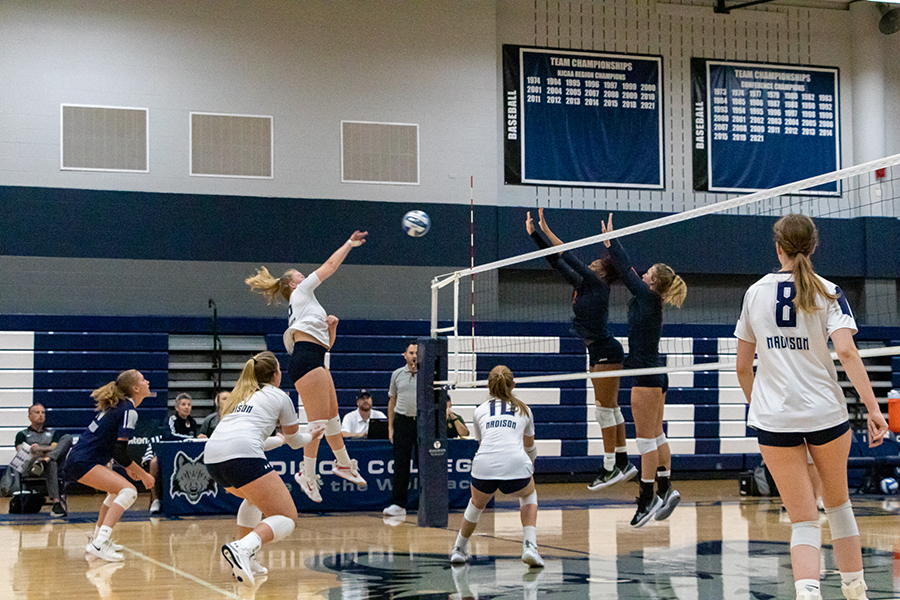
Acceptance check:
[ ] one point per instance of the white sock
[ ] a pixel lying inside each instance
(848, 578)
(342, 457)
(96, 530)
(529, 534)
(309, 466)
(609, 460)
(806, 585)
(461, 542)
(102, 535)
(251, 542)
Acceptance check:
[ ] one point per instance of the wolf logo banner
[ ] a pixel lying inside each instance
(191, 479)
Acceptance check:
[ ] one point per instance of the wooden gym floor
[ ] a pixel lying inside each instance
(715, 545)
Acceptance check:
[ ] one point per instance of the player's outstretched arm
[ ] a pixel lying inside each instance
(358, 238)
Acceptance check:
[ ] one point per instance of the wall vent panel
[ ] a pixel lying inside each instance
(224, 145)
(104, 138)
(379, 152)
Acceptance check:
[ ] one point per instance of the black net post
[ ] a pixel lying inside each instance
(432, 429)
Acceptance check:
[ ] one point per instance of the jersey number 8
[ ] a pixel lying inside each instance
(785, 313)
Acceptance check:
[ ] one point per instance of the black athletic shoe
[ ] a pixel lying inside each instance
(669, 501)
(646, 511)
(58, 510)
(607, 478)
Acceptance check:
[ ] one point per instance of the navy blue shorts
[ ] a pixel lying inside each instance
(796, 438)
(660, 380)
(605, 352)
(73, 471)
(506, 486)
(238, 472)
(307, 357)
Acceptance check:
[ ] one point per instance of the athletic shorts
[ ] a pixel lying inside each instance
(73, 471)
(307, 357)
(796, 438)
(506, 486)
(605, 352)
(660, 380)
(238, 472)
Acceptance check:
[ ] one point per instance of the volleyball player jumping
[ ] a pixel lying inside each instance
(797, 405)
(309, 335)
(648, 392)
(235, 457)
(590, 303)
(504, 428)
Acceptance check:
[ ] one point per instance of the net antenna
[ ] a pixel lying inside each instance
(864, 193)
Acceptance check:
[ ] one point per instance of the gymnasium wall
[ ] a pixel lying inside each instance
(164, 242)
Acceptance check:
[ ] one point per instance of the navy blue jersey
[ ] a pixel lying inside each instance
(645, 311)
(590, 299)
(95, 445)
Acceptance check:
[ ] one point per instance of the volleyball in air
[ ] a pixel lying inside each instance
(889, 486)
(416, 223)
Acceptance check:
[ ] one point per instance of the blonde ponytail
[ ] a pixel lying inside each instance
(257, 372)
(670, 286)
(112, 393)
(798, 237)
(500, 386)
(265, 283)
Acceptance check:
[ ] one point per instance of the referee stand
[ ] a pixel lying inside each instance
(431, 419)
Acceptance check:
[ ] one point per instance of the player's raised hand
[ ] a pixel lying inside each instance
(607, 228)
(529, 223)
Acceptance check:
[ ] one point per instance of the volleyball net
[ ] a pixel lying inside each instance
(516, 310)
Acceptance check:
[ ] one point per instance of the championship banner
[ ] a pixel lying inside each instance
(759, 125)
(579, 118)
(187, 488)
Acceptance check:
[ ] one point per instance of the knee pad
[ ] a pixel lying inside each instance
(472, 514)
(806, 533)
(605, 416)
(248, 515)
(645, 445)
(619, 417)
(108, 501)
(661, 439)
(529, 499)
(333, 426)
(842, 521)
(280, 525)
(126, 497)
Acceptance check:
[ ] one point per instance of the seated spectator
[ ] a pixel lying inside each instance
(356, 423)
(179, 426)
(456, 426)
(48, 454)
(209, 424)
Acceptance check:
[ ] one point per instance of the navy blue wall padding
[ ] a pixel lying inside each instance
(88, 224)
(58, 222)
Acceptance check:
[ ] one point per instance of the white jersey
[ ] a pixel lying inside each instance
(501, 452)
(242, 432)
(306, 314)
(796, 386)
